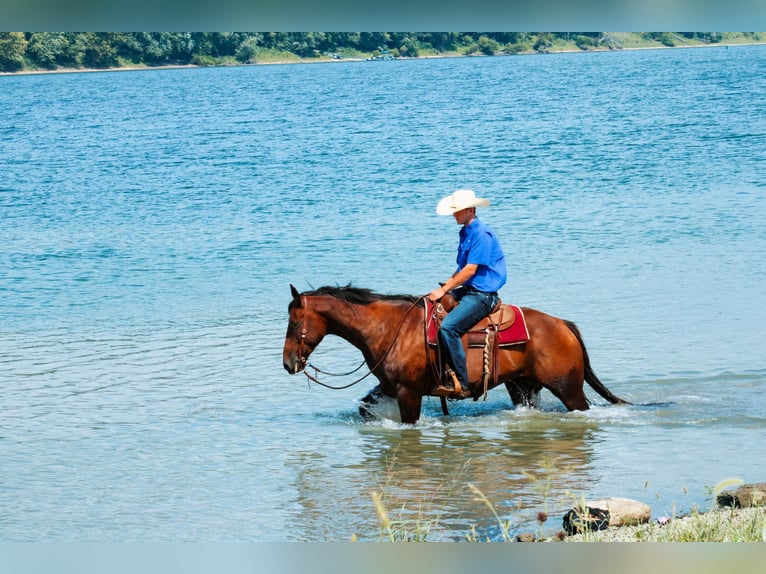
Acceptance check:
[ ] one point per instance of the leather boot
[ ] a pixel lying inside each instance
(449, 386)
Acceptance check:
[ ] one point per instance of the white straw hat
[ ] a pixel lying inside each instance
(460, 199)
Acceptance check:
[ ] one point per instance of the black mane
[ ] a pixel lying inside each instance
(359, 295)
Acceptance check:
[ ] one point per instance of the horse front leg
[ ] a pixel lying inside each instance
(409, 403)
(367, 402)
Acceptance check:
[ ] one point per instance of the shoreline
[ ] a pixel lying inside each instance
(325, 60)
(680, 528)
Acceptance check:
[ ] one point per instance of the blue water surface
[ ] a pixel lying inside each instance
(151, 223)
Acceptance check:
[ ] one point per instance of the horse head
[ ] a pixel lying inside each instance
(305, 330)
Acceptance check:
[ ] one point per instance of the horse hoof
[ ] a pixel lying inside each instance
(366, 413)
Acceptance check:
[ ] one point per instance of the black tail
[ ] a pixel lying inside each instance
(590, 376)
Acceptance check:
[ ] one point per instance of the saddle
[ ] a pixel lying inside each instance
(504, 327)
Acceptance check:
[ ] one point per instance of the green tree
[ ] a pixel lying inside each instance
(409, 47)
(585, 42)
(167, 47)
(369, 41)
(544, 42)
(487, 45)
(214, 44)
(276, 41)
(247, 50)
(305, 45)
(505, 37)
(13, 45)
(442, 41)
(128, 47)
(45, 49)
(98, 50)
(665, 38)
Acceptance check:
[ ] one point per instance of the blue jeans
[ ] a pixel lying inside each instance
(474, 306)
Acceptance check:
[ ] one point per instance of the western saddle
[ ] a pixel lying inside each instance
(505, 326)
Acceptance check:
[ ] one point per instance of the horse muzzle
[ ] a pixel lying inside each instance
(294, 365)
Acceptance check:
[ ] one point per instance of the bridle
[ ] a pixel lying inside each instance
(304, 359)
(302, 343)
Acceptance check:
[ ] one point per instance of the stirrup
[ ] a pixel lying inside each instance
(451, 387)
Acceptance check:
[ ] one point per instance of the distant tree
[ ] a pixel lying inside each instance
(403, 39)
(128, 47)
(505, 37)
(585, 42)
(247, 50)
(544, 42)
(664, 38)
(98, 50)
(319, 41)
(335, 40)
(487, 45)
(409, 47)
(217, 44)
(13, 45)
(442, 41)
(45, 49)
(155, 47)
(182, 47)
(275, 40)
(226, 43)
(369, 41)
(167, 47)
(305, 45)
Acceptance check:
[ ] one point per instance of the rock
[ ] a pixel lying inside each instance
(525, 537)
(586, 519)
(745, 496)
(623, 511)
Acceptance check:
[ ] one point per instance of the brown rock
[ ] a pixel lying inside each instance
(623, 511)
(745, 496)
(525, 537)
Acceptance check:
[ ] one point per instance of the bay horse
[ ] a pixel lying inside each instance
(389, 330)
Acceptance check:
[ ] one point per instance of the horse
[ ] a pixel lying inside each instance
(389, 330)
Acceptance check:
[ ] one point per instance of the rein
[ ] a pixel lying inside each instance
(360, 379)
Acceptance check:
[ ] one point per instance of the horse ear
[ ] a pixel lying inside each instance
(296, 295)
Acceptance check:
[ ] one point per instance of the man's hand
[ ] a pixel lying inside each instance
(436, 294)
(455, 281)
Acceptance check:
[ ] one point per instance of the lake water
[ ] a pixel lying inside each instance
(151, 223)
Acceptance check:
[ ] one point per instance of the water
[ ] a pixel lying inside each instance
(152, 222)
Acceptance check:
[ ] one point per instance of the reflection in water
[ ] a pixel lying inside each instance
(522, 461)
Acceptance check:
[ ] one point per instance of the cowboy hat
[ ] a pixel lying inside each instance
(460, 199)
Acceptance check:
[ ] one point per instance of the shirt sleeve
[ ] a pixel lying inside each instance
(480, 250)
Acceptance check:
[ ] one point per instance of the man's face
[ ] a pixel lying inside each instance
(463, 216)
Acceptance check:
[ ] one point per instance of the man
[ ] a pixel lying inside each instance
(479, 276)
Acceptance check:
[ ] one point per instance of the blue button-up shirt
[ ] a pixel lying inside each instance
(478, 245)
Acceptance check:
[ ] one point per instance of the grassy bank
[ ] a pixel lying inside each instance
(718, 524)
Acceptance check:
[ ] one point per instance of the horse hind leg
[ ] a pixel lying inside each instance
(522, 393)
(568, 389)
